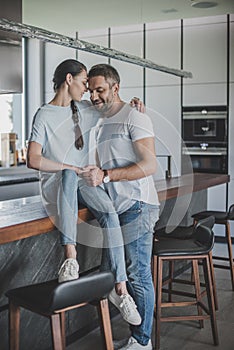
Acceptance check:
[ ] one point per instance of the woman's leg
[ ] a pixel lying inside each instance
(61, 202)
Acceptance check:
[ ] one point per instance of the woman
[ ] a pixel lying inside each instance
(59, 149)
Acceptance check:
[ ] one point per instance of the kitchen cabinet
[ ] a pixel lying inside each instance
(216, 200)
(232, 48)
(128, 39)
(205, 55)
(54, 55)
(163, 41)
(163, 106)
(98, 37)
(205, 94)
(11, 50)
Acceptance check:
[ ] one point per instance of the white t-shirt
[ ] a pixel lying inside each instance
(115, 145)
(53, 129)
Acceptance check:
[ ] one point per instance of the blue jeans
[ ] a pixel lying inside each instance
(137, 225)
(68, 190)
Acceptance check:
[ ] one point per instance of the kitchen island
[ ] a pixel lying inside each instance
(26, 217)
(30, 251)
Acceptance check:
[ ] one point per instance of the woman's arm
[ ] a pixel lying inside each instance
(35, 160)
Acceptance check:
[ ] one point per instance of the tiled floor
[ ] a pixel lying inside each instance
(182, 335)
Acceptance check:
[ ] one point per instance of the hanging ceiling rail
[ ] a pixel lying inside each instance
(29, 31)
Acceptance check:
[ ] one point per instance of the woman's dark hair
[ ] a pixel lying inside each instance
(73, 67)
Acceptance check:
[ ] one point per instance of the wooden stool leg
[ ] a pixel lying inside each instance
(63, 328)
(171, 276)
(158, 301)
(154, 271)
(197, 289)
(210, 298)
(104, 315)
(56, 332)
(229, 243)
(213, 280)
(14, 326)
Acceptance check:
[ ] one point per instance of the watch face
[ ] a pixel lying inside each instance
(106, 179)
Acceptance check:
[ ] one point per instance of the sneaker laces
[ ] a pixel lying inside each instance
(130, 342)
(69, 267)
(127, 303)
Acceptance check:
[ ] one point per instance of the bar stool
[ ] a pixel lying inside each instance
(195, 249)
(222, 218)
(52, 300)
(181, 233)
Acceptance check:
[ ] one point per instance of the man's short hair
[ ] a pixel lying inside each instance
(105, 70)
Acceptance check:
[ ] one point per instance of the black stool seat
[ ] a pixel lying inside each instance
(180, 232)
(196, 247)
(222, 218)
(47, 297)
(218, 215)
(170, 242)
(53, 299)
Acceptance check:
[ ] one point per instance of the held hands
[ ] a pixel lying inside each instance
(92, 175)
(138, 104)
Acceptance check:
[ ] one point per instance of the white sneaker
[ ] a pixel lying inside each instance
(126, 306)
(68, 271)
(134, 345)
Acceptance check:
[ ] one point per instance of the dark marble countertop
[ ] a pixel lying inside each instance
(26, 217)
(17, 175)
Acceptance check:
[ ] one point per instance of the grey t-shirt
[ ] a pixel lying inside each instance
(115, 145)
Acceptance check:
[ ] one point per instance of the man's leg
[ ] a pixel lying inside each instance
(99, 203)
(137, 226)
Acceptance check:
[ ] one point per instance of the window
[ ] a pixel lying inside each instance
(11, 120)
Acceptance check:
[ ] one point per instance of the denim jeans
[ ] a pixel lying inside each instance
(62, 196)
(137, 225)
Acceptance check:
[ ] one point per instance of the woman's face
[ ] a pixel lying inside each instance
(78, 85)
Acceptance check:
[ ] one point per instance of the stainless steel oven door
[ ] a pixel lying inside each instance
(208, 160)
(212, 163)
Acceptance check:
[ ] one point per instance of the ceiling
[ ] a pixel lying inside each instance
(68, 16)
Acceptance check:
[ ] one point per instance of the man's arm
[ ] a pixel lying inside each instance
(36, 161)
(145, 151)
(135, 102)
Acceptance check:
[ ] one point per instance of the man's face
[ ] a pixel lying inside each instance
(102, 95)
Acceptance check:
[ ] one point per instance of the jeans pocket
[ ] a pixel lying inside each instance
(153, 217)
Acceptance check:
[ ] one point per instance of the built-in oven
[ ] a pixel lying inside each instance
(213, 160)
(204, 133)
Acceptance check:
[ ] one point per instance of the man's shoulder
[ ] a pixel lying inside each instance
(136, 116)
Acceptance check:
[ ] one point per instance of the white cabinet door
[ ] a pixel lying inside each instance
(54, 55)
(163, 106)
(232, 48)
(163, 42)
(231, 133)
(128, 39)
(205, 55)
(205, 49)
(205, 94)
(216, 200)
(98, 37)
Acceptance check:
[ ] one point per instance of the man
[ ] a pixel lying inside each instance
(59, 148)
(126, 154)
